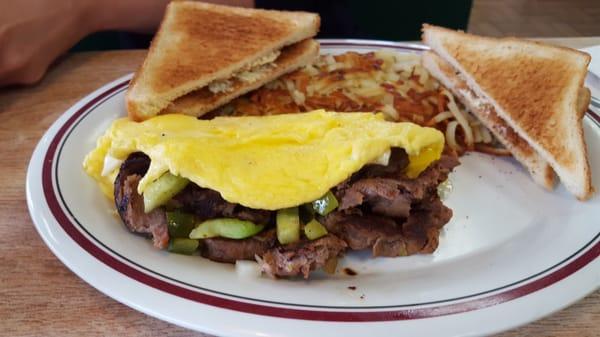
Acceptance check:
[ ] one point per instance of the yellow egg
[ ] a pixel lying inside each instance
(268, 162)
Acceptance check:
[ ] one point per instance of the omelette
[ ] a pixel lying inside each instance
(293, 192)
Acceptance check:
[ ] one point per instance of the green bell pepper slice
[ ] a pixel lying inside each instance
(180, 224)
(325, 204)
(183, 246)
(225, 227)
(162, 190)
(314, 230)
(288, 225)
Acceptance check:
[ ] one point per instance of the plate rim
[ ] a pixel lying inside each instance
(86, 103)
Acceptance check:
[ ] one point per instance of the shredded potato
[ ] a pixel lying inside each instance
(451, 135)
(461, 119)
(383, 81)
(442, 116)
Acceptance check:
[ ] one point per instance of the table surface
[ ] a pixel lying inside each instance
(41, 297)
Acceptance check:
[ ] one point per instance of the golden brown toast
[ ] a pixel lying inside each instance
(583, 101)
(533, 87)
(201, 101)
(198, 43)
(538, 167)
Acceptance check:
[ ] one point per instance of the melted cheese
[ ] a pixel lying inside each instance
(249, 74)
(268, 162)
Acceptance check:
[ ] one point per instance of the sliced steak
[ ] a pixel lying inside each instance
(382, 195)
(302, 257)
(208, 204)
(422, 228)
(383, 235)
(230, 250)
(392, 194)
(204, 203)
(392, 214)
(428, 180)
(380, 209)
(397, 163)
(137, 163)
(130, 204)
(419, 233)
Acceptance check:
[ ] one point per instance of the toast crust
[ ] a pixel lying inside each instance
(198, 43)
(199, 102)
(534, 87)
(538, 167)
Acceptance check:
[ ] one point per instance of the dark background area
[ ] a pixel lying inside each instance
(373, 19)
(401, 20)
(378, 19)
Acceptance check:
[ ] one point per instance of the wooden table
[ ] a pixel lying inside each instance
(41, 297)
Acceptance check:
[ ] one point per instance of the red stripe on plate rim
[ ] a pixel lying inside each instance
(275, 311)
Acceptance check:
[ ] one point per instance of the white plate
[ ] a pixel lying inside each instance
(511, 254)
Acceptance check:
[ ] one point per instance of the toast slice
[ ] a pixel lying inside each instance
(198, 43)
(535, 88)
(538, 167)
(199, 102)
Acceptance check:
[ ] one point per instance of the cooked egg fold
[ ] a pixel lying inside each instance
(267, 162)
